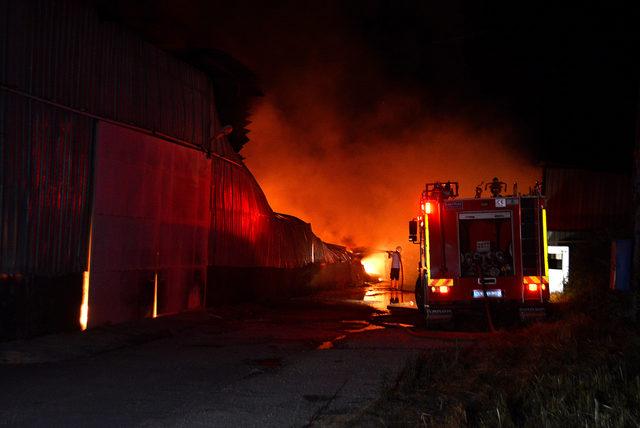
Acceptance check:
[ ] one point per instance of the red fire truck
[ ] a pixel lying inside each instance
(481, 252)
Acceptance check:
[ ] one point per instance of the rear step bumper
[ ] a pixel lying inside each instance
(525, 311)
(439, 314)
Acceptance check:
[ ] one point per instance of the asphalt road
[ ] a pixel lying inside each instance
(301, 362)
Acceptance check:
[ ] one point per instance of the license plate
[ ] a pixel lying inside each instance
(492, 293)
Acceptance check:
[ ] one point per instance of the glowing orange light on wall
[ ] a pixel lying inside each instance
(155, 295)
(84, 305)
(427, 207)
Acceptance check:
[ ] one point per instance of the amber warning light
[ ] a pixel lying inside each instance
(427, 207)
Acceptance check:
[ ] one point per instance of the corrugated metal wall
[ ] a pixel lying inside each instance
(45, 194)
(63, 52)
(165, 209)
(160, 208)
(151, 216)
(45, 178)
(587, 200)
(246, 232)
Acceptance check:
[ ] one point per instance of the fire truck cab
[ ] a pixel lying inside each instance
(481, 251)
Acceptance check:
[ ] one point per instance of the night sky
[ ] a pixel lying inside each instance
(566, 76)
(365, 101)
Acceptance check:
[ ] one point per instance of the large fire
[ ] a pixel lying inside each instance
(374, 264)
(359, 190)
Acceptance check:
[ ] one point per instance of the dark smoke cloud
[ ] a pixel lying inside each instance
(361, 108)
(359, 181)
(341, 143)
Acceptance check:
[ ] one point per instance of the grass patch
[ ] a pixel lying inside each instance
(574, 372)
(582, 368)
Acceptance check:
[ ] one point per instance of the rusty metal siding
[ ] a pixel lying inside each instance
(160, 208)
(45, 179)
(581, 200)
(63, 52)
(245, 232)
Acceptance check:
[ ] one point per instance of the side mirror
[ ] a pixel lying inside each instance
(413, 231)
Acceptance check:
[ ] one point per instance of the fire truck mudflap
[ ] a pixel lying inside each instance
(532, 312)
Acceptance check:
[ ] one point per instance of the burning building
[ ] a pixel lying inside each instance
(121, 195)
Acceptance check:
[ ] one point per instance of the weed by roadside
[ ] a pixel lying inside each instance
(574, 372)
(582, 368)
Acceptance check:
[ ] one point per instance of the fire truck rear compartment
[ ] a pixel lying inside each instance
(486, 248)
(481, 253)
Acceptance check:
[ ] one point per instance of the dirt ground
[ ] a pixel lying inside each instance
(301, 362)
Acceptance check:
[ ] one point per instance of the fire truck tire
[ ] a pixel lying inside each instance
(420, 299)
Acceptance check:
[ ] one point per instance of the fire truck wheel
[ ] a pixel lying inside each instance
(420, 299)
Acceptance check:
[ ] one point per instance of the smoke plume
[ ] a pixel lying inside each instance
(357, 178)
(361, 110)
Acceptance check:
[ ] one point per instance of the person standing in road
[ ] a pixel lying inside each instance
(396, 266)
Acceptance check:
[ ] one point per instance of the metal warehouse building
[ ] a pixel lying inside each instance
(118, 192)
(582, 201)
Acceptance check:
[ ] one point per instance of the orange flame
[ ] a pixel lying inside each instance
(374, 264)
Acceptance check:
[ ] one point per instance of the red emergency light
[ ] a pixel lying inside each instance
(427, 207)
